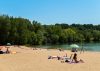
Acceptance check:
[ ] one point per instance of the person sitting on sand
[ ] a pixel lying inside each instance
(60, 49)
(34, 48)
(7, 51)
(75, 59)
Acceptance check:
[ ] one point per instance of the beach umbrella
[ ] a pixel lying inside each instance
(8, 44)
(74, 46)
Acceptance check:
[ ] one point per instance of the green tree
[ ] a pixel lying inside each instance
(22, 31)
(96, 35)
(4, 29)
(70, 33)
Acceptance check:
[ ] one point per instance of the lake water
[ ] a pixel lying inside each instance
(87, 46)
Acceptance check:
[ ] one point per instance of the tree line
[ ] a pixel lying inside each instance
(21, 31)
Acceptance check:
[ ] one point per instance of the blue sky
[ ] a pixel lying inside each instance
(54, 11)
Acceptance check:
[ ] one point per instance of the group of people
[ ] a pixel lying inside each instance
(74, 59)
(6, 50)
(71, 59)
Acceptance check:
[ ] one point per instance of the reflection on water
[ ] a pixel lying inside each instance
(87, 46)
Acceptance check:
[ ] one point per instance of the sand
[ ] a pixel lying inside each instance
(27, 59)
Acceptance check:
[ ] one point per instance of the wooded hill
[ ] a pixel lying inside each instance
(21, 31)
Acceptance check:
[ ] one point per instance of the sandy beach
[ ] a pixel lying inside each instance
(27, 59)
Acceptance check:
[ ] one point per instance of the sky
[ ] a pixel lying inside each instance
(54, 11)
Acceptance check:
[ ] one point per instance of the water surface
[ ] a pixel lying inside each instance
(86, 46)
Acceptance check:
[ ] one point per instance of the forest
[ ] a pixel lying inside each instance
(21, 31)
